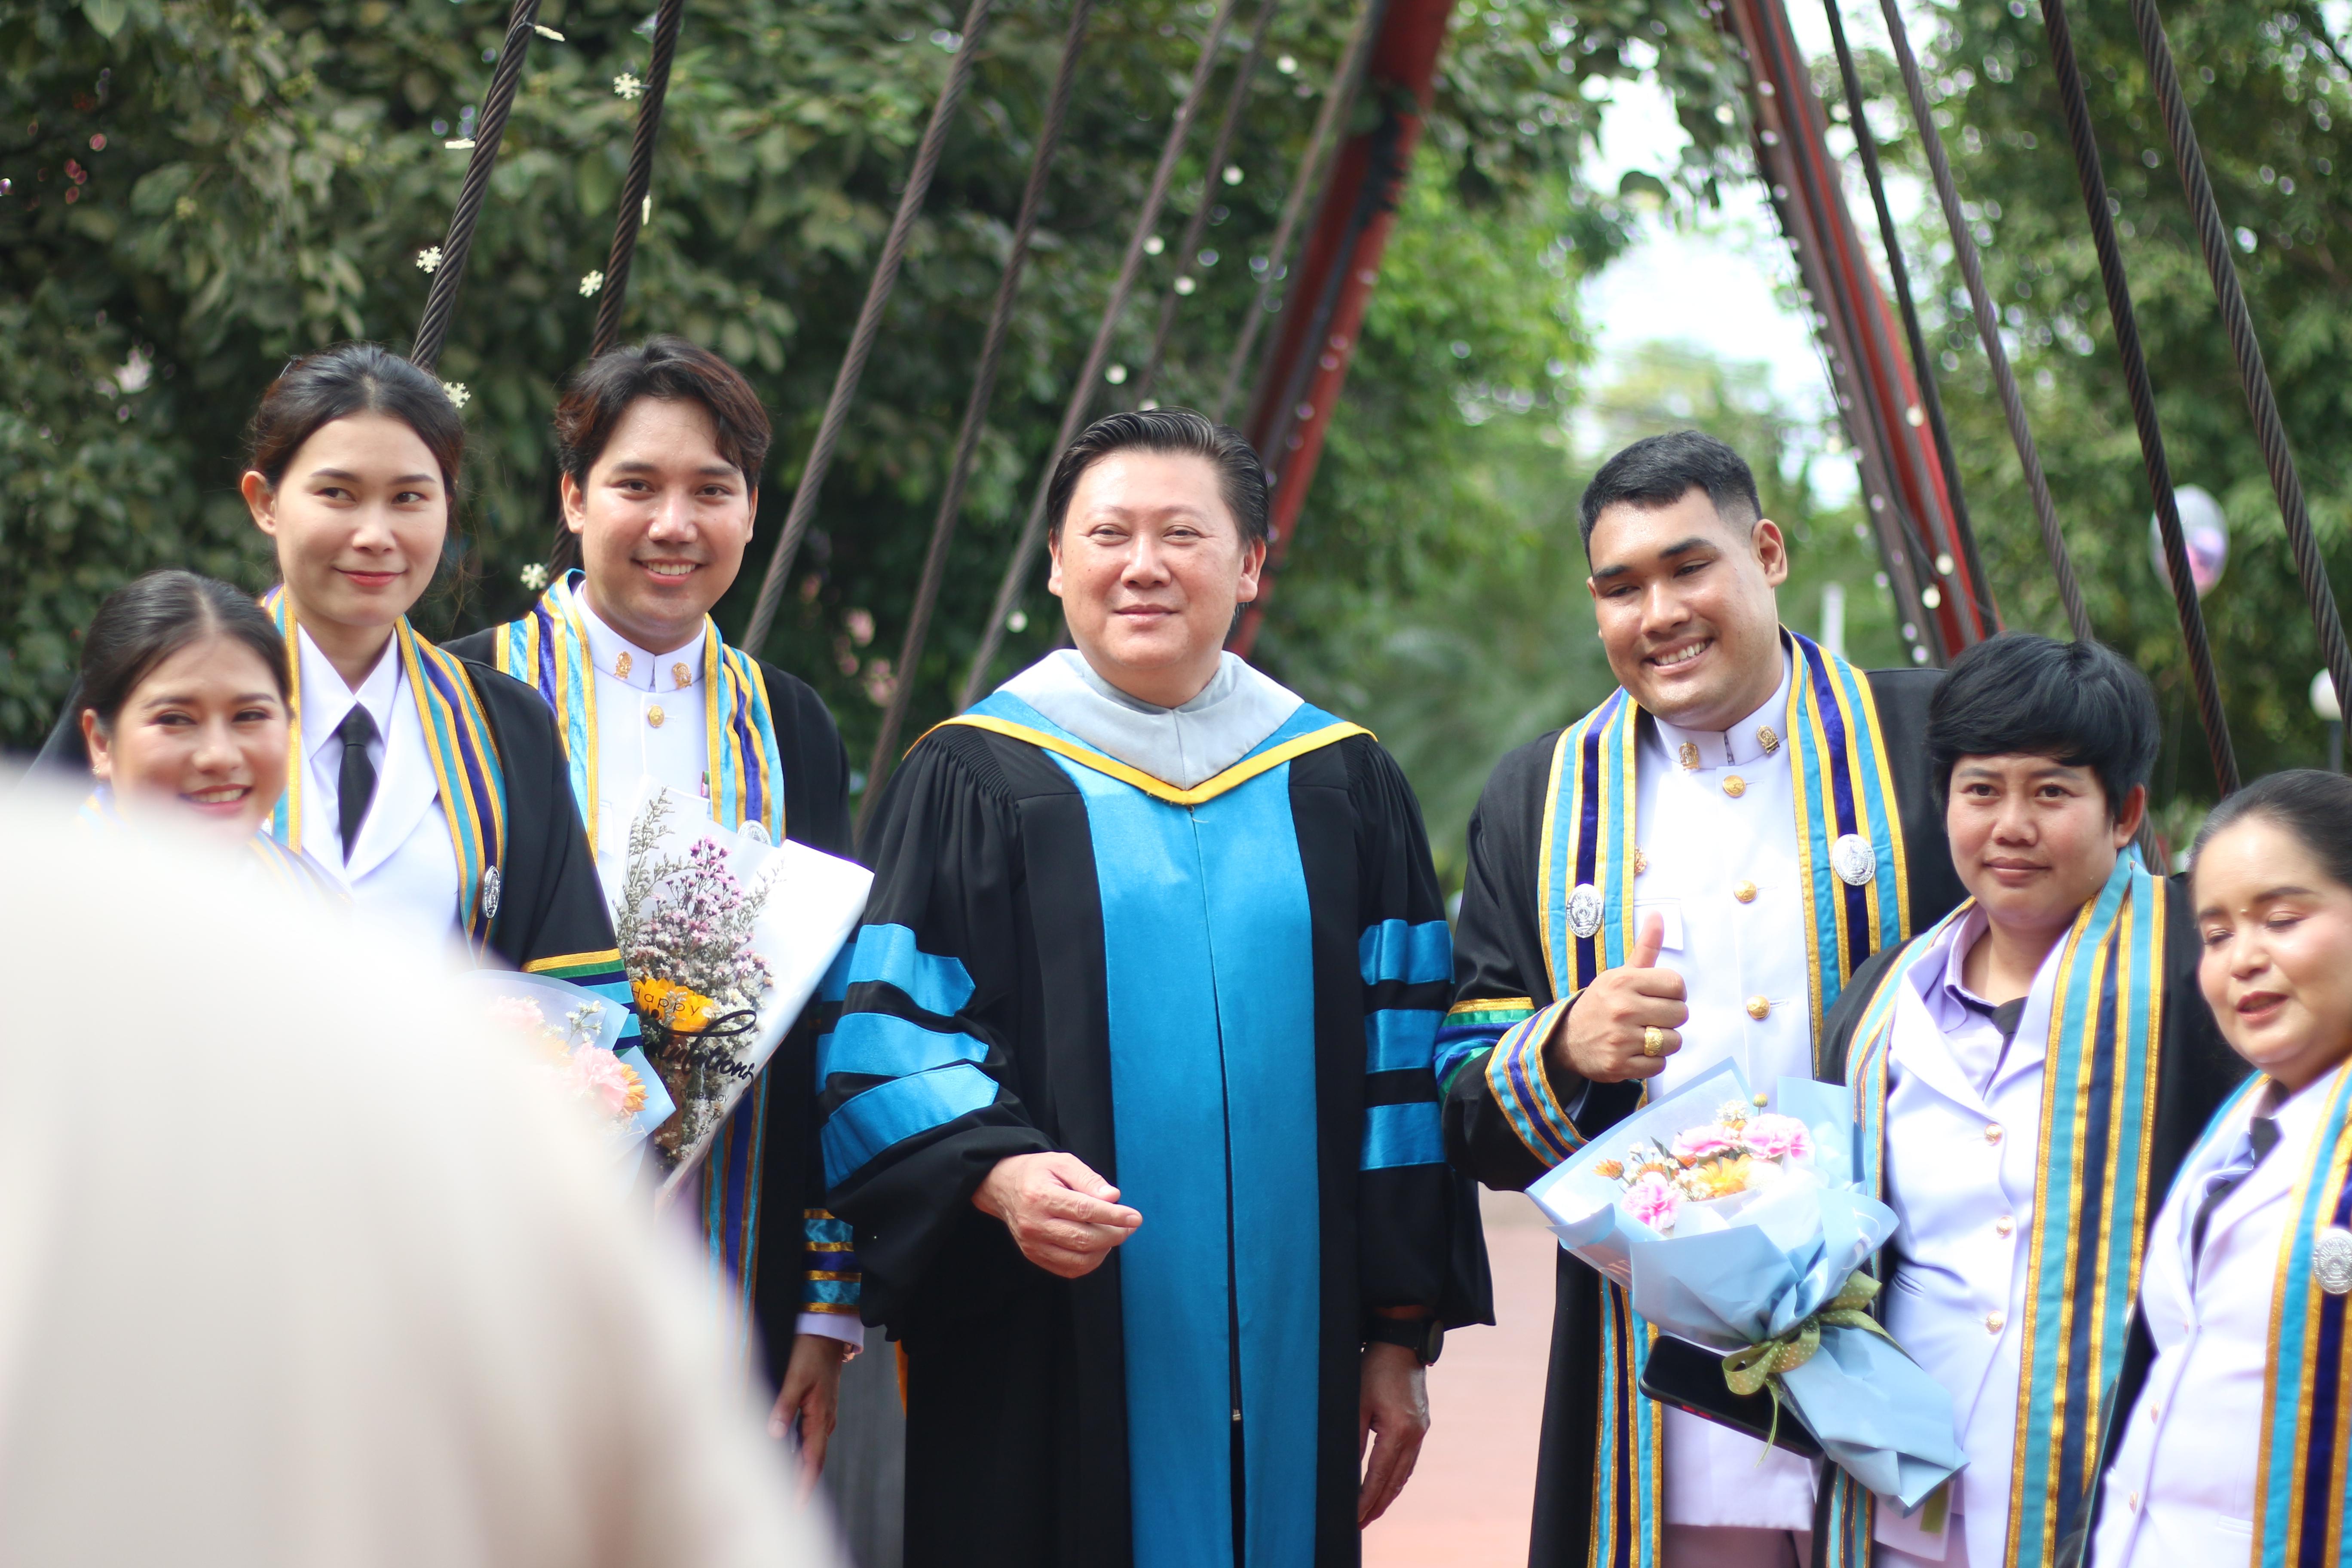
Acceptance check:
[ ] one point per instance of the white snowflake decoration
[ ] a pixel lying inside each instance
(458, 395)
(534, 576)
(429, 258)
(590, 284)
(628, 84)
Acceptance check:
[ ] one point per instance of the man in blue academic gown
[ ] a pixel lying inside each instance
(1130, 1096)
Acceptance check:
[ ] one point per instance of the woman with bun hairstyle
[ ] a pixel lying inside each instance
(2227, 1430)
(432, 788)
(184, 714)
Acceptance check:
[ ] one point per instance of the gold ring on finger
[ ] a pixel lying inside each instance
(1654, 1041)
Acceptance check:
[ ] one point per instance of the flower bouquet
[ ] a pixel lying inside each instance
(725, 937)
(574, 1036)
(1739, 1226)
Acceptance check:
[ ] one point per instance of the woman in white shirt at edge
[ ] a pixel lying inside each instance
(431, 788)
(2227, 1431)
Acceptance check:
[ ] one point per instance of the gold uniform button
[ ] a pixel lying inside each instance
(2004, 1225)
(1992, 1131)
(1735, 787)
(621, 666)
(654, 716)
(1760, 1008)
(1993, 1322)
(1744, 891)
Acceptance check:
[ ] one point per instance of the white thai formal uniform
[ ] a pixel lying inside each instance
(650, 723)
(2180, 1489)
(402, 864)
(1718, 863)
(1963, 1157)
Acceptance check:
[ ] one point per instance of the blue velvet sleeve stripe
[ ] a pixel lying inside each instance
(890, 1112)
(1398, 1038)
(888, 953)
(1403, 1135)
(1454, 1047)
(834, 986)
(881, 1045)
(1416, 954)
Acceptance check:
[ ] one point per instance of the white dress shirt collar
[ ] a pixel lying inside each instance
(327, 700)
(644, 669)
(1747, 744)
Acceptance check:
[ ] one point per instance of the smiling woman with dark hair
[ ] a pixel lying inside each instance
(2030, 1072)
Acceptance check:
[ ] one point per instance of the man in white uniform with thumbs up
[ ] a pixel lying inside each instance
(1686, 875)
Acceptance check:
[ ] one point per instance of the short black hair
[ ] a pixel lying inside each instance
(2314, 807)
(1240, 477)
(149, 619)
(2022, 693)
(670, 368)
(1659, 470)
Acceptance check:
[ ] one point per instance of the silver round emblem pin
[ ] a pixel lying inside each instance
(490, 893)
(2331, 1260)
(755, 832)
(1584, 910)
(1855, 859)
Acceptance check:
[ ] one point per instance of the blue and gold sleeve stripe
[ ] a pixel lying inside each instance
(1515, 1074)
(830, 1278)
(1472, 1027)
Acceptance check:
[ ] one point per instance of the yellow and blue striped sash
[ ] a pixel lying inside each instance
(2091, 1200)
(547, 649)
(2300, 1491)
(457, 740)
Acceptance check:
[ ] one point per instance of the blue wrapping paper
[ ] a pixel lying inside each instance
(1779, 1257)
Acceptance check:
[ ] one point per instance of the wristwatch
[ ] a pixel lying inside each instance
(1424, 1337)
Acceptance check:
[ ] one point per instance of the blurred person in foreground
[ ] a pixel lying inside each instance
(1130, 1097)
(2028, 1074)
(1686, 875)
(184, 713)
(299, 1267)
(662, 445)
(2226, 1438)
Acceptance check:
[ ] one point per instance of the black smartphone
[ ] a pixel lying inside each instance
(1690, 1378)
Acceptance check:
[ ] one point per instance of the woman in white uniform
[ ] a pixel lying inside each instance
(432, 788)
(2227, 1437)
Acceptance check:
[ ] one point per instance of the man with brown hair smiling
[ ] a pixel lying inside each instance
(1689, 873)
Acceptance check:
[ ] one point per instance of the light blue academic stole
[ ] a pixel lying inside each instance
(463, 754)
(745, 778)
(1850, 834)
(2091, 1203)
(2302, 1496)
(1209, 957)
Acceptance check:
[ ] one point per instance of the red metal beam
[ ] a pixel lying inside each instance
(1307, 366)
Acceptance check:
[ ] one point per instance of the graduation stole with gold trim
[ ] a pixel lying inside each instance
(2300, 1491)
(1850, 839)
(2091, 1202)
(464, 754)
(1001, 713)
(547, 649)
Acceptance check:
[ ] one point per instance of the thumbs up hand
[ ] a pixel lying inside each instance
(1626, 1024)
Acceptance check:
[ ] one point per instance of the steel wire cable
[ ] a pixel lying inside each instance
(441, 300)
(2213, 237)
(2093, 180)
(975, 412)
(1931, 400)
(1988, 323)
(638, 182)
(1008, 589)
(1189, 247)
(869, 322)
(1337, 100)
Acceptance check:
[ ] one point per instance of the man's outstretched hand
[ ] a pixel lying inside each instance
(1063, 1217)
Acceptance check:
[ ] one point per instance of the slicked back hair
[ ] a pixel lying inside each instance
(1240, 477)
(1659, 470)
(2314, 807)
(2022, 693)
(668, 368)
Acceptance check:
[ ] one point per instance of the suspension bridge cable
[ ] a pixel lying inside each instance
(1931, 400)
(2214, 237)
(869, 322)
(1988, 320)
(441, 300)
(1337, 102)
(1016, 570)
(639, 180)
(975, 413)
(2094, 182)
(1189, 247)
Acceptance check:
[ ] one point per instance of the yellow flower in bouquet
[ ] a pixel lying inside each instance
(672, 1003)
(1719, 1178)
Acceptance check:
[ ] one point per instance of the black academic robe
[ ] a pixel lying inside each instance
(986, 931)
(1499, 952)
(816, 813)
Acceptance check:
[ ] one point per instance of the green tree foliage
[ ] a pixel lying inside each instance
(2265, 83)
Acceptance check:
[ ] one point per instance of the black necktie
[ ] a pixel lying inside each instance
(2264, 1135)
(356, 788)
